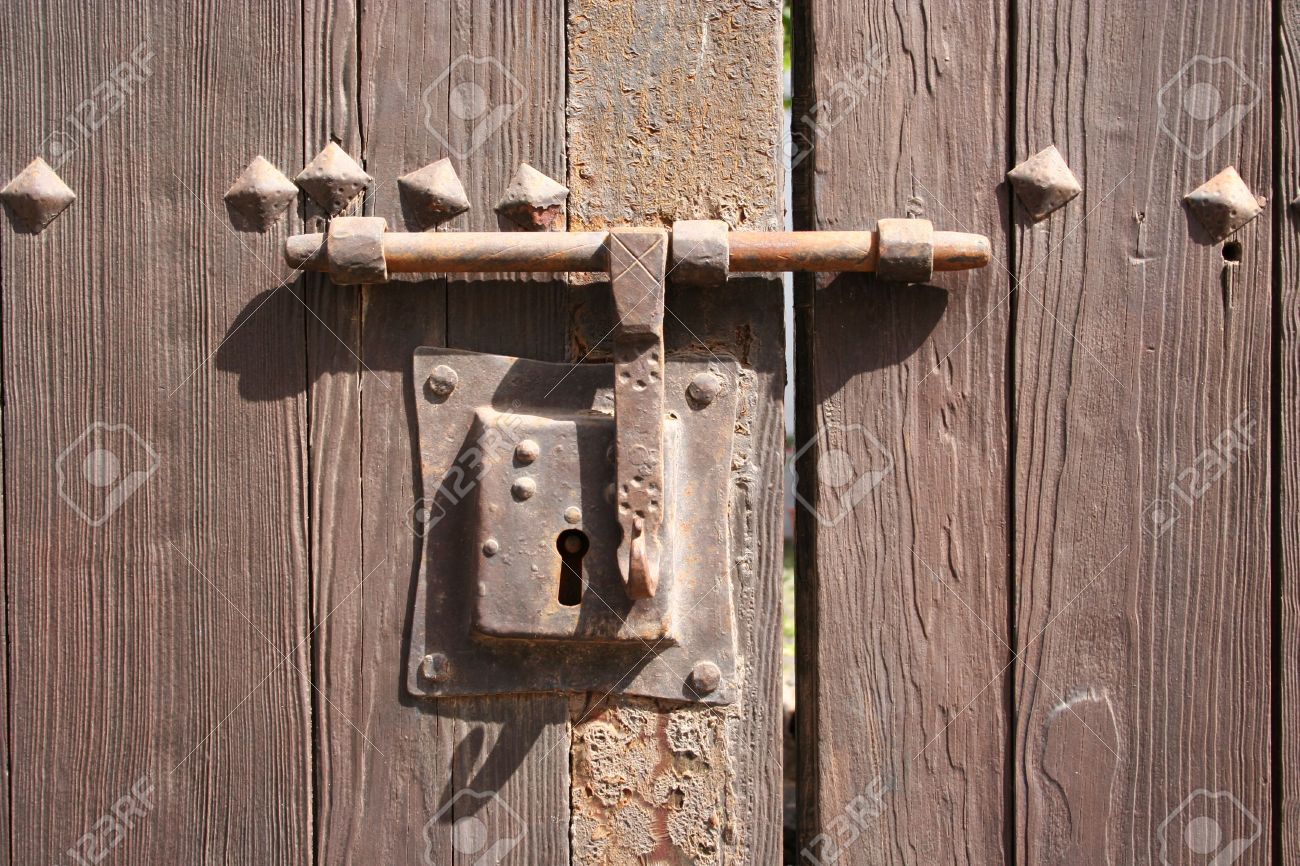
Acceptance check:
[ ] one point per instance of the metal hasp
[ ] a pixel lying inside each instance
(589, 546)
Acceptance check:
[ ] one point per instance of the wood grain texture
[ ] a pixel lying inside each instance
(1287, 446)
(674, 114)
(166, 643)
(1141, 391)
(901, 442)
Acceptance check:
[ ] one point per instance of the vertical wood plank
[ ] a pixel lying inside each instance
(1142, 384)
(674, 113)
(902, 428)
(1287, 447)
(159, 712)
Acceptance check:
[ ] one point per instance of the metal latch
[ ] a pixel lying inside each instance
(553, 499)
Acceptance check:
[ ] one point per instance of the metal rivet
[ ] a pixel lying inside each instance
(258, 197)
(442, 381)
(523, 488)
(704, 388)
(491, 546)
(527, 451)
(37, 195)
(1223, 204)
(333, 179)
(435, 667)
(434, 193)
(572, 514)
(1044, 182)
(705, 678)
(533, 201)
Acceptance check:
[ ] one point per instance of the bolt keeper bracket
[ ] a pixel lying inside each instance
(696, 253)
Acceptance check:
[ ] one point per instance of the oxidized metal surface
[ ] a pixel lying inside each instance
(333, 179)
(259, 196)
(356, 250)
(486, 603)
(1223, 204)
(700, 253)
(637, 259)
(1044, 182)
(37, 195)
(460, 252)
(533, 201)
(906, 250)
(433, 194)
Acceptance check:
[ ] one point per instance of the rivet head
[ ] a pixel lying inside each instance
(572, 514)
(1044, 182)
(527, 451)
(1223, 204)
(704, 388)
(442, 381)
(533, 201)
(434, 193)
(523, 488)
(705, 678)
(37, 195)
(333, 179)
(435, 667)
(259, 196)
(491, 546)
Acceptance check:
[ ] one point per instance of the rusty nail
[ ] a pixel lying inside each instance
(490, 547)
(1223, 204)
(435, 667)
(523, 488)
(37, 195)
(1044, 182)
(705, 678)
(704, 388)
(527, 451)
(572, 514)
(442, 381)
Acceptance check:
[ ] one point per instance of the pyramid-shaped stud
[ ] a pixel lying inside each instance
(259, 196)
(37, 195)
(1044, 182)
(333, 179)
(533, 201)
(1223, 204)
(433, 194)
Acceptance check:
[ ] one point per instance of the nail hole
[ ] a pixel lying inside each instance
(1232, 251)
(573, 545)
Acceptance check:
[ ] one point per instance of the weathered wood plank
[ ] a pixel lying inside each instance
(159, 709)
(902, 442)
(1287, 411)
(1142, 441)
(674, 114)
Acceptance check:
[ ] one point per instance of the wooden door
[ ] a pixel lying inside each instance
(1061, 627)
(207, 667)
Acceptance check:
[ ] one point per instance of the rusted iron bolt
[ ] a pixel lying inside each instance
(442, 381)
(705, 678)
(527, 451)
(491, 546)
(523, 488)
(704, 388)
(435, 667)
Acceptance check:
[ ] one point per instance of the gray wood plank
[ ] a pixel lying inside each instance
(1142, 381)
(902, 597)
(674, 114)
(158, 710)
(1287, 411)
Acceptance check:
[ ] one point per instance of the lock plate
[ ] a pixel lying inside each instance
(518, 461)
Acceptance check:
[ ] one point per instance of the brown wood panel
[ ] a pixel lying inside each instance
(1141, 392)
(674, 114)
(1287, 446)
(902, 441)
(159, 710)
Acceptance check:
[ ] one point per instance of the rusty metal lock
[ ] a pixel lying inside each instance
(576, 515)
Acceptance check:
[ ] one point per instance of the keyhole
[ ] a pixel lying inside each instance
(572, 544)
